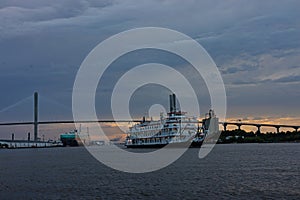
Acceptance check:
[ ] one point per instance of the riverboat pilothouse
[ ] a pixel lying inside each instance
(175, 129)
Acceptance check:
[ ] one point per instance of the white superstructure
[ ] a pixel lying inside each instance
(176, 127)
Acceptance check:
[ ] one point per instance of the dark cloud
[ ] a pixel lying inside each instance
(233, 70)
(287, 79)
(254, 43)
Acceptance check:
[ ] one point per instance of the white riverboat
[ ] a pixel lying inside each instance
(177, 128)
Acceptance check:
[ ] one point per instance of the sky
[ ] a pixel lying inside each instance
(255, 44)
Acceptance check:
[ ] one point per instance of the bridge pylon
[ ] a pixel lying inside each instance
(35, 115)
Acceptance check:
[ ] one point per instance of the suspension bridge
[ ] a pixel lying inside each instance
(36, 121)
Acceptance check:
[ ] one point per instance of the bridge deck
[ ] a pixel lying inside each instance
(128, 121)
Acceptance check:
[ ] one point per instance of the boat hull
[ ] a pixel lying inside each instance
(146, 145)
(171, 145)
(197, 144)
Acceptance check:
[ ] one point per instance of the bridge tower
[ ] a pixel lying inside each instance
(35, 117)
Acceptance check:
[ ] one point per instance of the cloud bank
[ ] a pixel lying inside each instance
(255, 44)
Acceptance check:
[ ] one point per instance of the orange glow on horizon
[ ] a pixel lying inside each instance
(112, 130)
(264, 120)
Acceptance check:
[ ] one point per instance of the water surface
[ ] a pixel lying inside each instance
(231, 171)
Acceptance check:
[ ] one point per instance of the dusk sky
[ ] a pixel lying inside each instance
(255, 44)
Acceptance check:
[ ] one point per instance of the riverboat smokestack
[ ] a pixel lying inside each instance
(172, 103)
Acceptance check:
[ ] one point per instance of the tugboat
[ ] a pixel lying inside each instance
(209, 124)
(175, 129)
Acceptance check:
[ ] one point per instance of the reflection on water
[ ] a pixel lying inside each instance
(229, 171)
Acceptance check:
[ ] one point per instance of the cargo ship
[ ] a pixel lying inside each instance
(71, 139)
(175, 129)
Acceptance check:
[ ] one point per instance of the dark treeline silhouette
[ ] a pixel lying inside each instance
(241, 136)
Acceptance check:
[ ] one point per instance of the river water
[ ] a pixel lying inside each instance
(231, 171)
